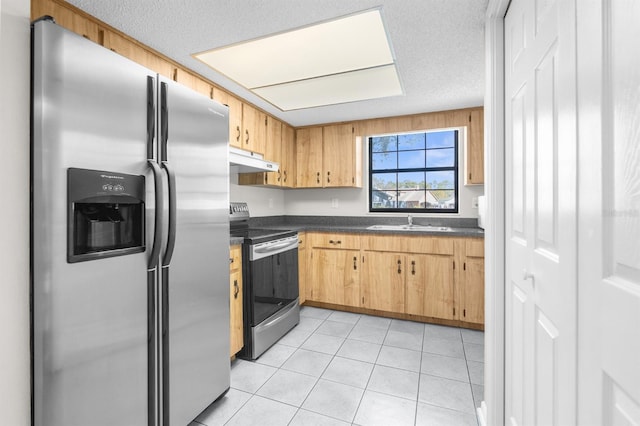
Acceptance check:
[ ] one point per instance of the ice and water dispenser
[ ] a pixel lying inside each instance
(106, 214)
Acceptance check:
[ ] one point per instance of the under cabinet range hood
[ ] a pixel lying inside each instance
(241, 161)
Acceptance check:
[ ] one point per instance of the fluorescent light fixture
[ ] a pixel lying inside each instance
(343, 60)
(370, 83)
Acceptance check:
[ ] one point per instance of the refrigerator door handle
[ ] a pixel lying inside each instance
(151, 116)
(157, 231)
(164, 122)
(171, 240)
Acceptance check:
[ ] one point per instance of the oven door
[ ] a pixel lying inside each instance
(273, 277)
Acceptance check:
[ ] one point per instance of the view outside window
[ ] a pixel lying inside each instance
(414, 172)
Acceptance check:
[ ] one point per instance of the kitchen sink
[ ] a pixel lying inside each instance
(408, 227)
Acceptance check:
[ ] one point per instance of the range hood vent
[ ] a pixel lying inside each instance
(241, 161)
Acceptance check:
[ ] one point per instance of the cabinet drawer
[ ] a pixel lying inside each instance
(408, 244)
(235, 256)
(334, 240)
(474, 247)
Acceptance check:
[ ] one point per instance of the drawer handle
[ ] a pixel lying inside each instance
(399, 266)
(236, 289)
(413, 267)
(285, 176)
(328, 177)
(355, 260)
(335, 242)
(318, 177)
(247, 138)
(238, 136)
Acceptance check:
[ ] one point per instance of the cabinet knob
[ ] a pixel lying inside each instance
(318, 177)
(236, 289)
(247, 136)
(413, 267)
(238, 136)
(399, 266)
(355, 260)
(526, 275)
(328, 177)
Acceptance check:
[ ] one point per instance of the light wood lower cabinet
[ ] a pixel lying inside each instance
(384, 281)
(430, 286)
(302, 267)
(425, 277)
(235, 306)
(334, 268)
(471, 288)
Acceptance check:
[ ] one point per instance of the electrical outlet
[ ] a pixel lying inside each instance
(474, 202)
(334, 203)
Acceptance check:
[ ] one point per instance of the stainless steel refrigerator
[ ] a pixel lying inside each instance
(130, 293)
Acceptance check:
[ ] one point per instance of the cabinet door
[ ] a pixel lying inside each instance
(383, 286)
(473, 294)
(235, 115)
(430, 290)
(273, 150)
(254, 129)
(235, 309)
(302, 265)
(338, 155)
(309, 157)
(288, 157)
(335, 276)
(235, 305)
(66, 18)
(474, 158)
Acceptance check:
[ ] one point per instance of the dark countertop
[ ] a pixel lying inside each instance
(235, 240)
(460, 227)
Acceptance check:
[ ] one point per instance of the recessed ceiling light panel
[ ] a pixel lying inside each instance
(326, 52)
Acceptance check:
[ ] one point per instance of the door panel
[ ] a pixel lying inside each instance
(610, 212)
(384, 283)
(89, 318)
(198, 302)
(541, 212)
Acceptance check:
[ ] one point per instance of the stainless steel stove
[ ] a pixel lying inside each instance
(270, 280)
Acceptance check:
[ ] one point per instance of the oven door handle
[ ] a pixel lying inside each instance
(280, 315)
(277, 248)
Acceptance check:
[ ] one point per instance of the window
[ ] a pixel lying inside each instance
(414, 172)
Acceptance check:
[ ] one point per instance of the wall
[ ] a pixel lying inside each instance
(261, 201)
(353, 201)
(14, 243)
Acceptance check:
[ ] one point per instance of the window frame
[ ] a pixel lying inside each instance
(456, 167)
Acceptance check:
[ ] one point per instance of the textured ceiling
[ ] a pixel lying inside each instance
(438, 44)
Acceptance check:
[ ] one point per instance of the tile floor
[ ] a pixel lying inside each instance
(340, 368)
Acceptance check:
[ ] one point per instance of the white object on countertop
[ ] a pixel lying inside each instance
(482, 211)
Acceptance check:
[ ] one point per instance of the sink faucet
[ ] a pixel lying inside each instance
(410, 220)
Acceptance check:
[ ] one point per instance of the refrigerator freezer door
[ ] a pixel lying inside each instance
(196, 346)
(90, 335)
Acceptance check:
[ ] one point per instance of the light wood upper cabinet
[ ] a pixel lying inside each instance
(193, 82)
(67, 18)
(329, 156)
(273, 150)
(309, 157)
(474, 158)
(235, 115)
(288, 157)
(254, 129)
(280, 147)
(339, 155)
(235, 306)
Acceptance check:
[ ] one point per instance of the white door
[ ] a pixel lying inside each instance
(540, 234)
(609, 220)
